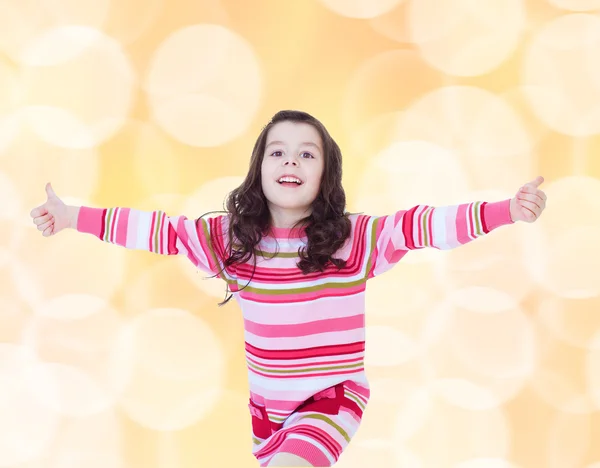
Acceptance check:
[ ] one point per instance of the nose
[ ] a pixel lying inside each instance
(288, 161)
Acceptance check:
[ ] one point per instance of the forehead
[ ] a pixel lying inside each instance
(293, 133)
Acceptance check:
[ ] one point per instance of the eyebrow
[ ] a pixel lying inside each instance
(304, 143)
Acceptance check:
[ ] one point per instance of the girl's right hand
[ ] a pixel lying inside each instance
(53, 216)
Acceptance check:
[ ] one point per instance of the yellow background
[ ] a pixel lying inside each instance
(484, 356)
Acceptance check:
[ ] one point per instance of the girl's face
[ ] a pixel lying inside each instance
(296, 150)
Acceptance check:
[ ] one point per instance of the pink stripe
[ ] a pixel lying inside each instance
(172, 239)
(274, 442)
(184, 240)
(199, 227)
(313, 431)
(319, 339)
(417, 226)
(308, 364)
(113, 226)
(357, 395)
(283, 400)
(305, 450)
(352, 414)
(307, 328)
(470, 219)
(284, 407)
(306, 375)
(279, 438)
(152, 224)
(162, 235)
(397, 233)
(90, 220)
(460, 225)
(304, 352)
(332, 307)
(122, 226)
(498, 214)
(352, 251)
(302, 297)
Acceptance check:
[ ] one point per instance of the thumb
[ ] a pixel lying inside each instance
(536, 182)
(49, 190)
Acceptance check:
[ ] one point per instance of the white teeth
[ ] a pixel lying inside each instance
(290, 179)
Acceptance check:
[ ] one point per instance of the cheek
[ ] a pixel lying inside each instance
(265, 186)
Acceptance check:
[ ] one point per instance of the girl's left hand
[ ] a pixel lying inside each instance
(529, 202)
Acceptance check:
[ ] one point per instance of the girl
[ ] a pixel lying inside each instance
(298, 265)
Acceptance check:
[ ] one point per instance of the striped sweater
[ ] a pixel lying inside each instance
(303, 333)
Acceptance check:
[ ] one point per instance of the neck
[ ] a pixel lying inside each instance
(280, 219)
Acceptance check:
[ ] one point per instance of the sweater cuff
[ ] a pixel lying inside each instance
(90, 220)
(497, 214)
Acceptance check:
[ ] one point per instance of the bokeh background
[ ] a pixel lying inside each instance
(486, 356)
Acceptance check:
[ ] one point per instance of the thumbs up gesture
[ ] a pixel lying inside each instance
(53, 216)
(529, 202)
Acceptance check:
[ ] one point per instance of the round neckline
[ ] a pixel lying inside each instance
(286, 233)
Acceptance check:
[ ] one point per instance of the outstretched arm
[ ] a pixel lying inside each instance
(448, 227)
(202, 241)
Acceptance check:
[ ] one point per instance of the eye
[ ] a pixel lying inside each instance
(278, 153)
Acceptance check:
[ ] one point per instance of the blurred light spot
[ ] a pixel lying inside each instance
(466, 38)
(81, 99)
(562, 60)
(179, 357)
(27, 428)
(204, 85)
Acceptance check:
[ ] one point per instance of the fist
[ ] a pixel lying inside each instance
(529, 202)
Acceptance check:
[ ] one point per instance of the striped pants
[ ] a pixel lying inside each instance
(318, 430)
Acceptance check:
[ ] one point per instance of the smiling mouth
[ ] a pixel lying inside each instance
(289, 184)
(292, 181)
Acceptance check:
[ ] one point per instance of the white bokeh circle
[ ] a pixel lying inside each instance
(465, 121)
(22, 21)
(569, 439)
(560, 250)
(79, 86)
(576, 5)
(27, 428)
(592, 367)
(410, 173)
(72, 335)
(68, 391)
(449, 359)
(388, 346)
(574, 321)
(170, 367)
(491, 334)
(562, 61)
(464, 394)
(176, 345)
(204, 85)
(466, 38)
(429, 425)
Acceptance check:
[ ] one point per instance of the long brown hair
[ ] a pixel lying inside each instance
(327, 228)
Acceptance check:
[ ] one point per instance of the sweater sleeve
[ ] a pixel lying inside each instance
(423, 226)
(200, 240)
